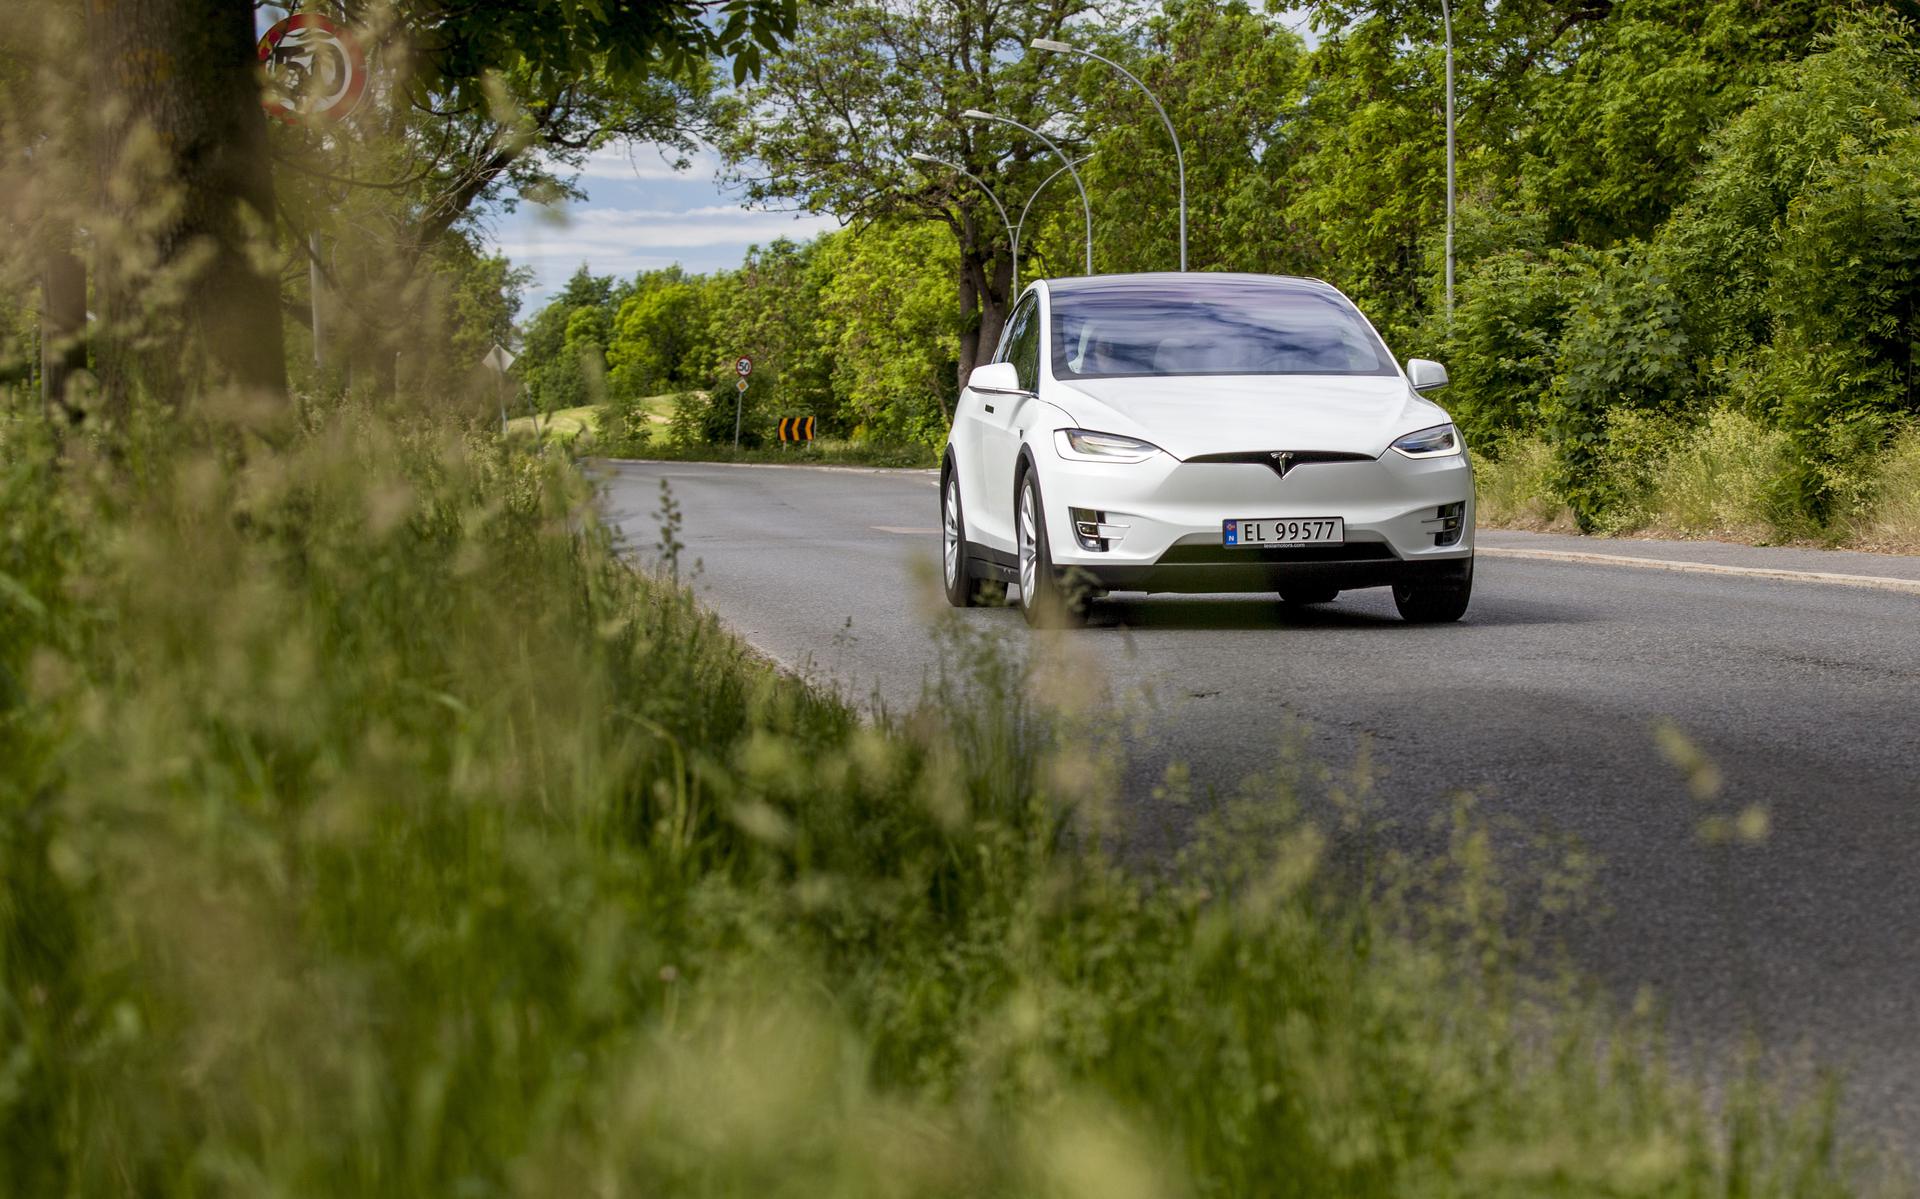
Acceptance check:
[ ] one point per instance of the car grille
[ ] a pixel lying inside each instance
(1295, 459)
(1208, 555)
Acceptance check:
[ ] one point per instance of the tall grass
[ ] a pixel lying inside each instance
(1728, 477)
(1892, 521)
(1515, 489)
(368, 827)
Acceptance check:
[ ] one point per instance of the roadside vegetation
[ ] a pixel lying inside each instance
(369, 825)
(372, 828)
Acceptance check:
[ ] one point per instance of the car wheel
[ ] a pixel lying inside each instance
(1042, 599)
(1435, 602)
(1300, 597)
(962, 591)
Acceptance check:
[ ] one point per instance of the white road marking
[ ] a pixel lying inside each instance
(928, 471)
(1877, 582)
(906, 529)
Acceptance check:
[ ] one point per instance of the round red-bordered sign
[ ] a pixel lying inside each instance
(315, 69)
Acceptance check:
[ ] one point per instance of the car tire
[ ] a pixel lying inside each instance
(962, 590)
(1436, 602)
(1043, 601)
(1300, 597)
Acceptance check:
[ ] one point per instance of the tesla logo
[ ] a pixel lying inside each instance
(1282, 462)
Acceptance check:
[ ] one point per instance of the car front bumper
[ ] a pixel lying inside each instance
(1172, 513)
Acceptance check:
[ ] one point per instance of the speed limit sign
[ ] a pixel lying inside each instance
(315, 69)
(743, 366)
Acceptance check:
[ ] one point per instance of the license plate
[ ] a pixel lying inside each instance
(1305, 530)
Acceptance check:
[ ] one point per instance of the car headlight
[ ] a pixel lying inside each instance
(1437, 442)
(1083, 446)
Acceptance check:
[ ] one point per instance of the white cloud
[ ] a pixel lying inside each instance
(636, 161)
(620, 241)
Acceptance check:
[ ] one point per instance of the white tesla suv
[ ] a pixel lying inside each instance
(1203, 433)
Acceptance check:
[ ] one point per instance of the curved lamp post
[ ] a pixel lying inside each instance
(1012, 232)
(1086, 206)
(1179, 158)
(1028, 207)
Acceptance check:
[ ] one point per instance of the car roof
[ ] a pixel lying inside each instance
(1146, 279)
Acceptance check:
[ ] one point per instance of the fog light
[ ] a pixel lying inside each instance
(1093, 531)
(1448, 518)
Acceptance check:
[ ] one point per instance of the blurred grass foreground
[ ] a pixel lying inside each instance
(369, 826)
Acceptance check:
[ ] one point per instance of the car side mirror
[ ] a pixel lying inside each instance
(1425, 374)
(996, 377)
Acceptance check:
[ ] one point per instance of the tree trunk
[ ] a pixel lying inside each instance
(63, 320)
(181, 147)
(986, 274)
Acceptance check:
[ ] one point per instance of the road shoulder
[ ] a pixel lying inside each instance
(1891, 572)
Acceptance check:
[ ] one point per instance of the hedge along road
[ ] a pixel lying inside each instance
(1542, 703)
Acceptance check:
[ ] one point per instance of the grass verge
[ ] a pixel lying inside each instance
(1728, 478)
(563, 426)
(370, 828)
(642, 429)
(824, 451)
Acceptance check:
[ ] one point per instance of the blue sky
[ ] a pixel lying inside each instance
(640, 214)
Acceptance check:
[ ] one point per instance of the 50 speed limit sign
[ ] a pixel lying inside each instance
(315, 69)
(743, 366)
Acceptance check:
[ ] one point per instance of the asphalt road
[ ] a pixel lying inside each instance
(1542, 703)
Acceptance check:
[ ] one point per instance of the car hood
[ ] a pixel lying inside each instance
(1190, 415)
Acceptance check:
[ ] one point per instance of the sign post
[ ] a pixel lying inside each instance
(742, 366)
(497, 361)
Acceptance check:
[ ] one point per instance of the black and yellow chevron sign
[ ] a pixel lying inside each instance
(796, 428)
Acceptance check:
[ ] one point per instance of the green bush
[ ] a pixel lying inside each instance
(1729, 477)
(625, 426)
(1624, 351)
(1892, 519)
(1505, 340)
(1515, 490)
(1798, 251)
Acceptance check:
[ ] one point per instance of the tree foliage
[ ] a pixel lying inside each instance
(866, 84)
(1667, 208)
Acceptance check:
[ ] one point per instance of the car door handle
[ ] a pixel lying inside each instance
(988, 407)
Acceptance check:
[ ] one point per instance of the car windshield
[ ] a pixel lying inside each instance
(1200, 326)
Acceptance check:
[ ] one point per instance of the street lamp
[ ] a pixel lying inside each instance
(1086, 206)
(1179, 158)
(1446, 19)
(1028, 207)
(1012, 232)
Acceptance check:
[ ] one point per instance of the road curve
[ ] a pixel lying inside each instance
(1541, 703)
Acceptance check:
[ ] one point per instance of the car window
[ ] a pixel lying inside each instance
(1023, 343)
(1200, 326)
(1006, 336)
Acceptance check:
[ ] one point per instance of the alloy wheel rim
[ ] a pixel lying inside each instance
(950, 522)
(1029, 546)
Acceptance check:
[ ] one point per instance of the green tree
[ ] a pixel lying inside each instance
(768, 311)
(573, 323)
(865, 84)
(1621, 132)
(886, 315)
(1232, 80)
(1370, 180)
(1797, 252)
(1624, 348)
(655, 333)
(1504, 347)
